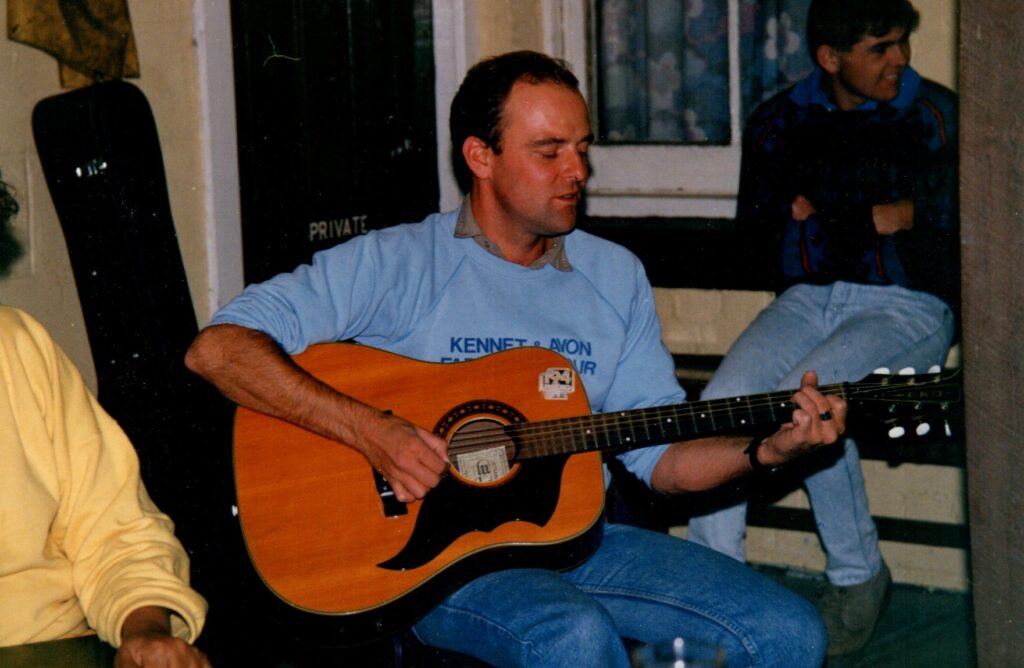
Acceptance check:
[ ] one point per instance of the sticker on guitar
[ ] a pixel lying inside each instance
(557, 384)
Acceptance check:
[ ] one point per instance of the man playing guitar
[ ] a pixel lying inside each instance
(506, 270)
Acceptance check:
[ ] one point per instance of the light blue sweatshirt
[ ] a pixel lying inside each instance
(420, 291)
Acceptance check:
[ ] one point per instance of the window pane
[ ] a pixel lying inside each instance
(663, 71)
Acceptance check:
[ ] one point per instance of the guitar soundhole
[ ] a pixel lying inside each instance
(480, 450)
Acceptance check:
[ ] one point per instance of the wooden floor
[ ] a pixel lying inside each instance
(920, 628)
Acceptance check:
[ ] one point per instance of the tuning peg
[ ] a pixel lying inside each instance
(949, 432)
(935, 368)
(897, 432)
(882, 371)
(907, 371)
(923, 429)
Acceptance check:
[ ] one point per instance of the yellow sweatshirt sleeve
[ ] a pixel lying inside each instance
(120, 550)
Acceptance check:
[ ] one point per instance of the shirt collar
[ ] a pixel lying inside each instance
(466, 226)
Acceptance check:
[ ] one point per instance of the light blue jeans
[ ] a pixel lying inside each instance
(844, 331)
(639, 584)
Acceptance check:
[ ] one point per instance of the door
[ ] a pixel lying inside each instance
(336, 131)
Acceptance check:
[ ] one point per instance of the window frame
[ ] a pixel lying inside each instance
(659, 180)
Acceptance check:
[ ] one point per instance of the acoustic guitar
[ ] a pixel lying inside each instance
(525, 487)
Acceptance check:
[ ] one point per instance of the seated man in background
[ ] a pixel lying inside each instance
(82, 547)
(849, 185)
(509, 266)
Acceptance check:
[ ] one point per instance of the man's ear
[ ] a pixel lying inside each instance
(828, 58)
(477, 155)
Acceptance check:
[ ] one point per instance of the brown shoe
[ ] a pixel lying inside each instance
(850, 613)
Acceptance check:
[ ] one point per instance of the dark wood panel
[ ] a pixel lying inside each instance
(918, 532)
(336, 135)
(687, 252)
(992, 194)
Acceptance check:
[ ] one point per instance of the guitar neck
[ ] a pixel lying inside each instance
(626, 430)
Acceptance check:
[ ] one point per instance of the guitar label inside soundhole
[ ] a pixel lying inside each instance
(485, 465)
(480, 448)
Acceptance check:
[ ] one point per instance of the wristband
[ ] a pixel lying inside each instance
(755, 463)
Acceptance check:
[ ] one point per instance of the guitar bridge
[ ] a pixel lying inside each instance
(392, 506)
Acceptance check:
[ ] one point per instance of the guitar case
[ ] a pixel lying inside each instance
(101, 157)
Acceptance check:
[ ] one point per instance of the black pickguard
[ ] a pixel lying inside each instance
(455, 508)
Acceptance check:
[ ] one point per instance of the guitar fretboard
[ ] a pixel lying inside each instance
(625, 430)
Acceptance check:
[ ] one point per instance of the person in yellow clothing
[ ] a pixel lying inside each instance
(82, 547)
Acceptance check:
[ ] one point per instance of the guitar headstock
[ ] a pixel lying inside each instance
(907, 402)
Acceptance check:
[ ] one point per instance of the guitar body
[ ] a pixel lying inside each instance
(326, 536)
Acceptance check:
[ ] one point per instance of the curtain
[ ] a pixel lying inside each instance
(663, 65)
(663, 71)
(773, 49)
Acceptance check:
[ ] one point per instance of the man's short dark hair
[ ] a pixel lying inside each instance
(10, 249)
(842, 23)
(478, 105)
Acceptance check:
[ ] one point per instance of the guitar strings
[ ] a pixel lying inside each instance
(539, 437)
(533, 436)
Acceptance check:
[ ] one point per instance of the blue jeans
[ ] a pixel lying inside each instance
(844, 331)
(639, 584)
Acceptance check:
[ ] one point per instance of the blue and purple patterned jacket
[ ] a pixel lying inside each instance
(844, 162)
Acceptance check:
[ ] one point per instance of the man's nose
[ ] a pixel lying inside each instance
(577, 168)
(900, 54)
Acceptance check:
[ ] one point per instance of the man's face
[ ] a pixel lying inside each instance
(539, 176)
(870, 70)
